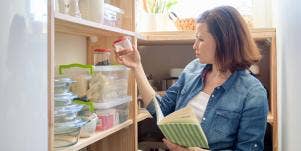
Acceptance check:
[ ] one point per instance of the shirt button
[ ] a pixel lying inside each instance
(255, 145)
(212, 96)
(204, 118)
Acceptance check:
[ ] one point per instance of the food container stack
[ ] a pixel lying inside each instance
(67, 124)
(108, 89)
(112, 15)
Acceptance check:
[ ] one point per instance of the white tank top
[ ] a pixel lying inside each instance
(199, 104)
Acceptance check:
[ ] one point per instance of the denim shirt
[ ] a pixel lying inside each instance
(236, 114)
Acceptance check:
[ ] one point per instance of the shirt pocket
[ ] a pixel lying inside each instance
(225, 122)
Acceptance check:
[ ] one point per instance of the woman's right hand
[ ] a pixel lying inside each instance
(129, 58)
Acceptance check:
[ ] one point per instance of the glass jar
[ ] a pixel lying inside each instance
(102, 57)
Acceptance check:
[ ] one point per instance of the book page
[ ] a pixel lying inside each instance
(184, 115)
(159, 113)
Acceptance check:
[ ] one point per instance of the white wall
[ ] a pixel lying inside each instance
(288, 46)
(70, 49)
(23, 76)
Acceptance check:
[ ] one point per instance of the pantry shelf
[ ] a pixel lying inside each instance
(143, 114)
(83, 142)
(78, 26)
(187, 37)
(270, 118)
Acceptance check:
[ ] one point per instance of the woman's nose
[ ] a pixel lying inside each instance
(194, 45)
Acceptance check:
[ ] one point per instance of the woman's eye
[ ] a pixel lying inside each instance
(198, 38)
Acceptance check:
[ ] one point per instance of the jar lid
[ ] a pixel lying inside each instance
(119, 39)
(102, 50)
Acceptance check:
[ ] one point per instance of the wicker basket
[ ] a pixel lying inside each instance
(182, 23)
(186, 24)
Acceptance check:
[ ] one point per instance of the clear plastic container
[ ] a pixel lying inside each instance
(79, 73)
(108, 82)
(88, 129)
(102, 57)
(62, 85)
(63, 99)
(66, 113)
(123, 43)
(112, 15)
(67, 133)
(112, 113)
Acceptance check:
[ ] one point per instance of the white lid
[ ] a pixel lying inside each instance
(112, 103)
(110, 68)
(113, 8)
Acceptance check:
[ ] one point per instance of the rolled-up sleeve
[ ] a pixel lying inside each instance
(168, 101)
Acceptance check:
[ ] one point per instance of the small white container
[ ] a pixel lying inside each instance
(123, 43)
(89, 129)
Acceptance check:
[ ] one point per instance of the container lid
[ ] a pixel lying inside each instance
(102, 50)
(61, 81)
(63, 99)
(67, 127)
(112, 103)
(113, 8)
(110, 68)
(119, 39)
(66, 95)
(63, 110)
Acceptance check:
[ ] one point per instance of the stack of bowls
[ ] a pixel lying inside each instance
(67, 124)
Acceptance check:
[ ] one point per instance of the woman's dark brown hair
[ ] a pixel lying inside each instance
(235, 48)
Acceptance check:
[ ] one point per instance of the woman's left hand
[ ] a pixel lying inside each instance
(174, 147)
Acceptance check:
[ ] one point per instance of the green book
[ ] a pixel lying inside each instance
(181, 127)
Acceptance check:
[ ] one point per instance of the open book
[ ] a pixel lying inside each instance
(181, 127)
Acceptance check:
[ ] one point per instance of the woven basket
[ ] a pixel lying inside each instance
(186, 24)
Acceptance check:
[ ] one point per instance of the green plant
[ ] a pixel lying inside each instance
(158, 6)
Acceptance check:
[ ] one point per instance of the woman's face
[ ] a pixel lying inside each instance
(204, 45)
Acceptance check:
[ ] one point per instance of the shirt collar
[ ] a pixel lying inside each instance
(229, 82)
(233, 77)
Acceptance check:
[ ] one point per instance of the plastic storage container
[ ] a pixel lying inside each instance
(88, 129)
(66, 113)
(63, 99)
(62, 85)
(67, 133)
(92, 10)
(112, 113)
(79, 73)
(122, 43)
(102, 57)
(108, 83)
(112, 15)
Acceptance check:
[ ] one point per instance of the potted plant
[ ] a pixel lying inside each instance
(155, 15)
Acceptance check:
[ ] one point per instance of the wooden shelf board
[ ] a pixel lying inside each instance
(270, 118)
(142, 115)
(187, 37)
(83, 142)
(78, 26)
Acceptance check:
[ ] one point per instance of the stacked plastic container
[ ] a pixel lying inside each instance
(67, 124)
(108, 89)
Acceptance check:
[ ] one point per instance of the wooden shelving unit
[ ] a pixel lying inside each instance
(120, 137)
(188, 37)
(142, 115)
(78, 26)
(265, 39)
(84, 142)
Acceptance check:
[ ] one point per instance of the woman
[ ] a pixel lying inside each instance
(230, 103)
